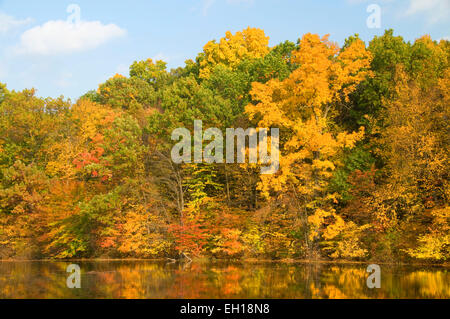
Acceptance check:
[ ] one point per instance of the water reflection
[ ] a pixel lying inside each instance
(144, 279)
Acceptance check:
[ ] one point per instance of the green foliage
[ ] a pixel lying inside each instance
(357, 158)
(154, 74)
(130, 94)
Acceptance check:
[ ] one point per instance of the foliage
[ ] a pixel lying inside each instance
(364, 157)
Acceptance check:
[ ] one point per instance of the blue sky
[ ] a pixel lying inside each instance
(44, 46)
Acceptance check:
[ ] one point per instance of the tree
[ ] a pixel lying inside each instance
(414, 147)
(131, 94)
(300, 105)
(247, 44)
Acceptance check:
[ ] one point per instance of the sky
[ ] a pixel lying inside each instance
(70, 47)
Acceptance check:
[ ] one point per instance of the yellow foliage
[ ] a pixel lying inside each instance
(435, 244)
(139, 236)
(300, 106)
(232, 49)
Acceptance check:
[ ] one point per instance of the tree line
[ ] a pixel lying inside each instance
(364, 156)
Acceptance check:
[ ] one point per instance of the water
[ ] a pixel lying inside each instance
(157, 280)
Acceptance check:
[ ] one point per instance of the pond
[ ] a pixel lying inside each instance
(160, 280)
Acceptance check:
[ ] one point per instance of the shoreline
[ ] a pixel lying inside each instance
(243, 261)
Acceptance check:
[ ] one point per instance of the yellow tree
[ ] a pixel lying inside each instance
(302, 106)
(416, 151)
(233, 48)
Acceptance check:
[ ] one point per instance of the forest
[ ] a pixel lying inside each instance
(364, 157)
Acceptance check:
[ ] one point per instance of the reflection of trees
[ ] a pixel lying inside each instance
(434, 284)
(350, 282)
(344, 282)
(34, 280)
(130, 280)
(141, 279)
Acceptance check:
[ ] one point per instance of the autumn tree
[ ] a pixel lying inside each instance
(301, 106)
(414, 146)
(233, 48)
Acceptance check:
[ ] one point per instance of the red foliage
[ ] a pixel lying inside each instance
(190, 236)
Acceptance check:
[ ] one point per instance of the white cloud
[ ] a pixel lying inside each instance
(59, 37)
(8, 23)
(436, 10)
